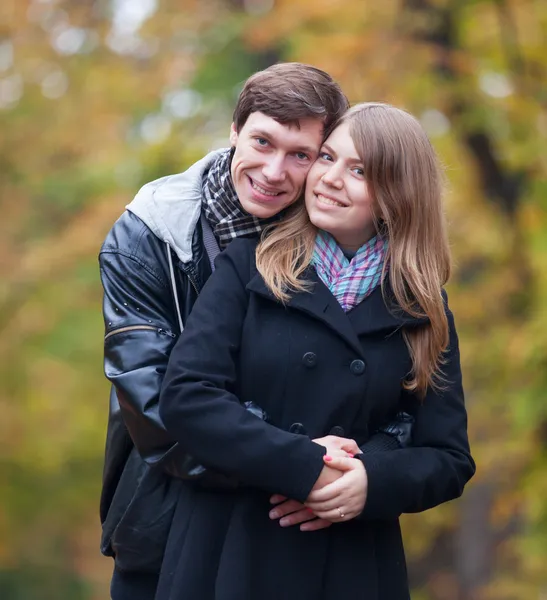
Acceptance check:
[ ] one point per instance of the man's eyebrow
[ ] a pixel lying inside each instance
(268, 135)
(260, 132)
(307, 149)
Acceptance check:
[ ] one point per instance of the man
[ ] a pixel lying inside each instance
(153, 264)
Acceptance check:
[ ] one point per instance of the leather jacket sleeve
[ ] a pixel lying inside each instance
(391, 436)
(140, 334)
(138, 340)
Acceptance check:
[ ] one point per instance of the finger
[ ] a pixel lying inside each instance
(300, 516)
(335, 515)
(277, 498)
(315, 525)
(330, 491)
(350, 446)
(285, 508)
(328, 440)
(339, 462)
(328, 505)
(338, 453)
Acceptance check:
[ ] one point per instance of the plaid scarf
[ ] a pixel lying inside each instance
(350, 281)
(222, 208)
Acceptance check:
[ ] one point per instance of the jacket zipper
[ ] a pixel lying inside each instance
(188, 272)
(160, 330)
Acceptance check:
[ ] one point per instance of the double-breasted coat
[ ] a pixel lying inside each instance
(311, 367)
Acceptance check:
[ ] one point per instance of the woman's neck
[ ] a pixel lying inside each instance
(351, 247)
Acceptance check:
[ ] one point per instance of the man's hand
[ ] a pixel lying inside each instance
(292, 512)
(344, 498)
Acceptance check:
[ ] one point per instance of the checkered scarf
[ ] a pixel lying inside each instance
(350, 281)
(222, 208)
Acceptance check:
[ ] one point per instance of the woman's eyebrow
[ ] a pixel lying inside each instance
(351, 159)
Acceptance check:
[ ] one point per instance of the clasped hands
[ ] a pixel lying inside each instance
(338, 495)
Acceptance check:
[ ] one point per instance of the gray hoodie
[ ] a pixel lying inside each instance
(171, 206)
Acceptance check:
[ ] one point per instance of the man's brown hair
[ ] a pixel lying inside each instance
(288, 92)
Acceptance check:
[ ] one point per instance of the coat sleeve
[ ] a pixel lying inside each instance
(198, 405)
(437, 466)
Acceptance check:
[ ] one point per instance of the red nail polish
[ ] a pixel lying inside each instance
(327, 457)
(350, 455)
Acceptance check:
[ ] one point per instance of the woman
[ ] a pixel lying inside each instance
(336, 319)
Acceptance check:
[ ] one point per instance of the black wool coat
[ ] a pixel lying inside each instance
(311, 367)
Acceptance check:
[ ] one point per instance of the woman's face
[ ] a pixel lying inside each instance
(336, 195)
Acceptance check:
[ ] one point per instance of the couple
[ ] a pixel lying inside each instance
(314, 331)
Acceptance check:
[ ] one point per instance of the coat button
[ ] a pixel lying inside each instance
(357, 367)
(297, 428)
(310, 359)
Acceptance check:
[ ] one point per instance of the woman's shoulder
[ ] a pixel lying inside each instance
(242, 249)
(243, 245)
(240, 256)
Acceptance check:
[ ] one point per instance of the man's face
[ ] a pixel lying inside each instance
(271, 161)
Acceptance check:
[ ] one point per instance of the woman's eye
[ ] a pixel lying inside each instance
(325, 156)
(359, 171)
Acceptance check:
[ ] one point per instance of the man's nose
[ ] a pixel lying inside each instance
(275, 169)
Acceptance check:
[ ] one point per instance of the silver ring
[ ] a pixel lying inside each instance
(342, 515)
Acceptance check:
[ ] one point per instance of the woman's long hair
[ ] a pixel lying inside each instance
(404, 177)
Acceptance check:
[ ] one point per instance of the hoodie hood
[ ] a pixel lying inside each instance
(171, 206)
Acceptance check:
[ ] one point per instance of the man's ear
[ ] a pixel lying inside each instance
(233, 135)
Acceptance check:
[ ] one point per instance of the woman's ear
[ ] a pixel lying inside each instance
(381, 226)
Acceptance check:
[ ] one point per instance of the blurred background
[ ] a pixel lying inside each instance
(99, 97)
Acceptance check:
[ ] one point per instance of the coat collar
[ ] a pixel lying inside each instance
(369, 316)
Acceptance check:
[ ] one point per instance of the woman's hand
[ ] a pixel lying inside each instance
(344, 498)
(292, 512)
(338, 446)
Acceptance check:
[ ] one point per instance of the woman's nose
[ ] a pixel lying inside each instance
(332, 178)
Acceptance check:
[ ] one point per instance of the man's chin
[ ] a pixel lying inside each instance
(260, 210)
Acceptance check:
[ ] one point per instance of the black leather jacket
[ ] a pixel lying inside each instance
(143, 467)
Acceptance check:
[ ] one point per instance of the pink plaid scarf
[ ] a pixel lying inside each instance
(350, 281)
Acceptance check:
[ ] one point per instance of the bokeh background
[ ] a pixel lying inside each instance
(98, 97)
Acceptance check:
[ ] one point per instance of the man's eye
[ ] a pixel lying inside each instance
(302, 156)
(262, 141)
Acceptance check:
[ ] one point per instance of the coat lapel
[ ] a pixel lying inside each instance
(369, 316)
(320, 304)
(372, 315)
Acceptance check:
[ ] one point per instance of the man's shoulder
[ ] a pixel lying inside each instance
(170, 206)
(127, 234)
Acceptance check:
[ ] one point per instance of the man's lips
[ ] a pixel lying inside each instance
(264, 189)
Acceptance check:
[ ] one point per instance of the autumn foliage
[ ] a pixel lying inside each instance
(98, 97)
